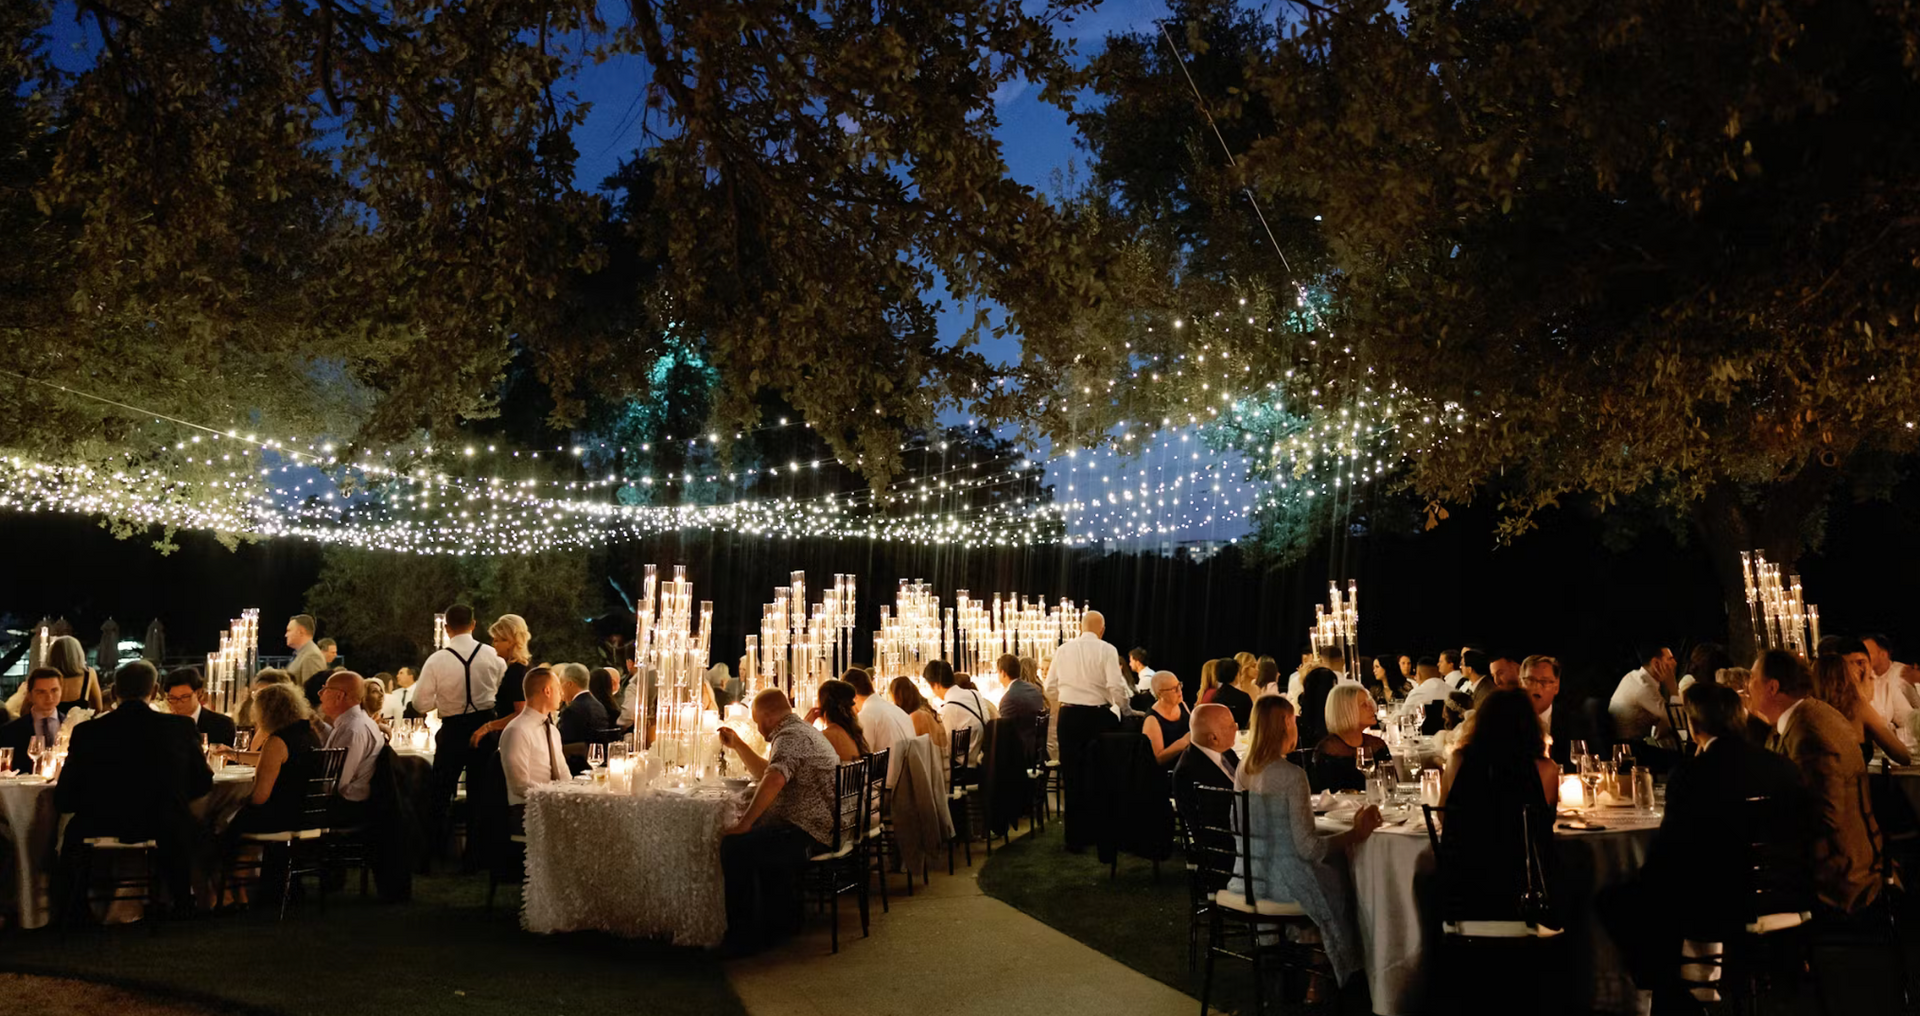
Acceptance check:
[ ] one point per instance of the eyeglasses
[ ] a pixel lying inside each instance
(182, 699)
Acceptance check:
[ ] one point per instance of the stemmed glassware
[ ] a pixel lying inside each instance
(36, 747)
(596, 758)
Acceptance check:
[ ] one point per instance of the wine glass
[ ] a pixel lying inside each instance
(596, 758)
(1363, 760)
(1577, 750)
(1623, 755)
(1591, 772)
(36, 747)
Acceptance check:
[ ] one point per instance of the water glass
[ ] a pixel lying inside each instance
(1623, 755)
(1643, 791)
(1363, 760)
(6, 761)
(1430, 787)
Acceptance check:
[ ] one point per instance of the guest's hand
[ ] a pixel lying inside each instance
(812, 714)
(728, 738)
(478, 735)
(736, 829)
(1366, 820)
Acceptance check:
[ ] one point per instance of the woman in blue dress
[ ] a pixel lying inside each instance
(1290, 857)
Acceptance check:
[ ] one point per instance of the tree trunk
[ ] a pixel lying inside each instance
(1774, 524)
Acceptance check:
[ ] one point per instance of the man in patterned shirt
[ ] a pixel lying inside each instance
(789, 819)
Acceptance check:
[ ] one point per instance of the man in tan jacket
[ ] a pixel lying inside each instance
(1823, 744)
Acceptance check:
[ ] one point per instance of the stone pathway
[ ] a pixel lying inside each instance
(950, 949)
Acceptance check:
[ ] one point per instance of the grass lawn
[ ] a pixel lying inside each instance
(442, 953)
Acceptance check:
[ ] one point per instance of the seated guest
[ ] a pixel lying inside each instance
(959, 707)
(1209, 683)
(1268, 680)
(79, 685)
(834, 709)
(1237, 701)
(581, 718)
(243, 717)
(1310, 713)
(1498, 773)
(1894, 694)
(399, 703)
(1023, 700)
(1208, 761)
(1289, 861)
(1757, 730)
(1475, 668)
(1349, 712)
(183, 689)
(1693, 884)
(604, 683)
(883, 724)
(375, 703)
(1706, 660)
(1450, 670)
(1505, 671)
(530, 749)
(1843, 681)
(133, 774)
(1540, 679)
(284, 761)
(1167, 721)
(1822, 743)
(906, 695)
(39, 717)
(790, 818)
(343, 702)
(1428, 686)
(1142, 673)
(1639, 703)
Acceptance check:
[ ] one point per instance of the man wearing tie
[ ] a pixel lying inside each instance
(1085, 679)
(183, 699)
(41, 718)
(1208, 761)
(530, 749)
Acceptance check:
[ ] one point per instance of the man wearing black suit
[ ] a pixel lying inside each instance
(133, 774)
(581, 719)
(1540, 678)
(41, 719)
(1695, 882)
(184, 687)
(1208, 761)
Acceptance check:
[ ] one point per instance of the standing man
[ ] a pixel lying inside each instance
(183, 699)
(307, 658)
(342, 701)
(1085, 679)
(460, 681)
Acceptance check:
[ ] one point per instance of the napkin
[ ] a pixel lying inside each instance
(75, 716)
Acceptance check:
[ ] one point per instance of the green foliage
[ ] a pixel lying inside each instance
(380, 605)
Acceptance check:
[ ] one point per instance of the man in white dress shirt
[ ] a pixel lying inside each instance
(1085, 679)
(341, 701)
(960, 708)
(882, 723)
(1639, 704)
(1428, 686)
(400, 696)
(530, 749)
(1894, 695)
(459, 681)
(1450, 669)
(1142, 674)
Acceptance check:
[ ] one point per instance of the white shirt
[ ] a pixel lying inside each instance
(1638, 708)
(394, 706)
(963, 708)
(1780, 725)
(1453, 679)
(1086, 672)
(530, 754)
(1217, 760)
(1546, 720)
(1431, 690)
(886, 725)
(1143, 681)
(443, 681)
(355, 731)
(1893, 698)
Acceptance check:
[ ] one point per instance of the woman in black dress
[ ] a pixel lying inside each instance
(284, 760)
(1168, 721)
(1348, 711)
(1500, 789)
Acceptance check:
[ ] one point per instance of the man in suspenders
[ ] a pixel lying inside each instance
(459, 680)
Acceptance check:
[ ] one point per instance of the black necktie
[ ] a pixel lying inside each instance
(1232, 761)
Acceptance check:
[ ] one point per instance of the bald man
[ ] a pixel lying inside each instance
(790, 818)
(1086, 680)
(1209, 760)
(341, 701)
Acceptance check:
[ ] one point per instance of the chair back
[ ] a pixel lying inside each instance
(1220, 839)
(1682, 726)
(1037, 748)
(1774, 858)
(1533, 903)
(320, 786)
(959, 751)
(878, 765)
(849, 800)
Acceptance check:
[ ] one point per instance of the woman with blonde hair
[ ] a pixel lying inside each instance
(1209, 684)
(79, 683)
(1249, 678)
(510, 639)
(1350, 711)
(1289, 859)
(285, 760)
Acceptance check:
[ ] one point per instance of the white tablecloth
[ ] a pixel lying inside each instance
(644, 866)
(31, 830)
(1392, 879)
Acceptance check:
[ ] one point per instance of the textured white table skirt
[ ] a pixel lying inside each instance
(1392, 877)
(641, 867)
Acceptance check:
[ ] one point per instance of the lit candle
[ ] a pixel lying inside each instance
(1572, 792)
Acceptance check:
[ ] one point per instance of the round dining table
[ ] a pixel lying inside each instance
(30, 828)
(1395, 894)
(656, 870)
